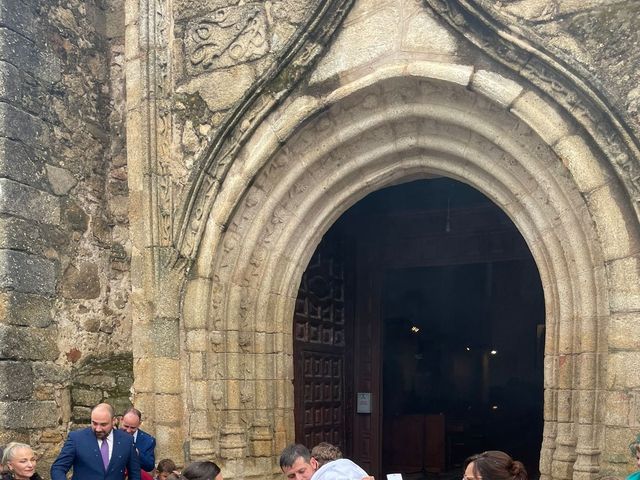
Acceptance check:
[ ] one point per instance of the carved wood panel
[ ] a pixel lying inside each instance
(320, 357)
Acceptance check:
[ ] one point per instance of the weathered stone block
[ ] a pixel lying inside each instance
(74, 216)
(27, 236)
(99, 381)
(60, 179)
(166, 375)
(85, 397)
(25, 309)
(621, 370)
(195, 312)
(198, 391)
(166, 337)
(495, 87)
(27, 202)
(26, 343)
(20, 20)
(81, 414)
(617, 408)
(20, 163)
(622, 331)
(17, 380)
(143, 382)
(541, 116)
(81, 281)
(10, 83)
(49, 373)
(624, 290)
(16, 415)
(19, 125)
(120, 404)
(171, 406)
(361, 42)
(424, 33)
(608, 210)
(7, 436)
(578, 157)
(26, 273)
(197, 366)
(170, 442)
(22, 53)
(197, 340)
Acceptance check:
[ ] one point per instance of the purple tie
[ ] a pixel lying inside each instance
(104, 451)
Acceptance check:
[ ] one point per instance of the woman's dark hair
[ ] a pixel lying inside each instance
(496, 465)
(201, 471)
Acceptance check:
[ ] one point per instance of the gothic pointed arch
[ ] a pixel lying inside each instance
(291, 184)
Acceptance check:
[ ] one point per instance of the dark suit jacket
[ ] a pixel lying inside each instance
(146, 445)
(82, 453)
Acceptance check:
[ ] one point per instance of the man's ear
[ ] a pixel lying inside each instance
(314, 463)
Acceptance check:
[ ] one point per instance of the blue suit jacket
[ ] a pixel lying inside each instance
(82, 453)
(146, 445)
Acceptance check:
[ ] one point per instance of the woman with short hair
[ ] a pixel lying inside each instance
(19, 461)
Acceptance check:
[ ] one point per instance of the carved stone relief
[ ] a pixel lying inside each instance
(227, 37)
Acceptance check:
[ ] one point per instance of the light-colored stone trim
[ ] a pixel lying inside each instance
(262, 245)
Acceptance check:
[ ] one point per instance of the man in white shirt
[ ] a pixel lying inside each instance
(297, 463)
(99, 452)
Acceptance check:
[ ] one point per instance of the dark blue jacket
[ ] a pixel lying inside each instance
(146, 445)
(82, 453)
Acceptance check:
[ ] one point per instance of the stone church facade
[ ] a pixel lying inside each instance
(169, 168)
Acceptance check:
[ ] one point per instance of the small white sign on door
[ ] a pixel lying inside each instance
(394, 476)
(363, 405)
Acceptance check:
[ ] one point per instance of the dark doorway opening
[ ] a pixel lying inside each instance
(462, 364)
(405, 300)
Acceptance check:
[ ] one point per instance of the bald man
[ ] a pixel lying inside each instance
(100, 452)
(145, 443)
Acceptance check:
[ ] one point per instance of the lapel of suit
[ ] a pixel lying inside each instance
(117, 447)
(91, 437)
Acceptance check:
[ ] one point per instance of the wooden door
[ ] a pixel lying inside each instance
(321, 360)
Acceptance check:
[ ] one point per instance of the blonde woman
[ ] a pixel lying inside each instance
(20, 462)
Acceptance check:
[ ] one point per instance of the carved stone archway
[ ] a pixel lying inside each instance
(287, 186)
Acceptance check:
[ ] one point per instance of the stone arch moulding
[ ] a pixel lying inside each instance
(566, 84)
(405, 121)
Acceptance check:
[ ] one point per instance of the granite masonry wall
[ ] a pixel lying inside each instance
(64, 262)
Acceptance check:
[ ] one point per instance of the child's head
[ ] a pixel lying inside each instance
(325, 452)
(165, 468)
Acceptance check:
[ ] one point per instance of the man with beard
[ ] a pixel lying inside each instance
(99, 452)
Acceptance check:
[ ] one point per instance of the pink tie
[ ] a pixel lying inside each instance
(104, 451)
